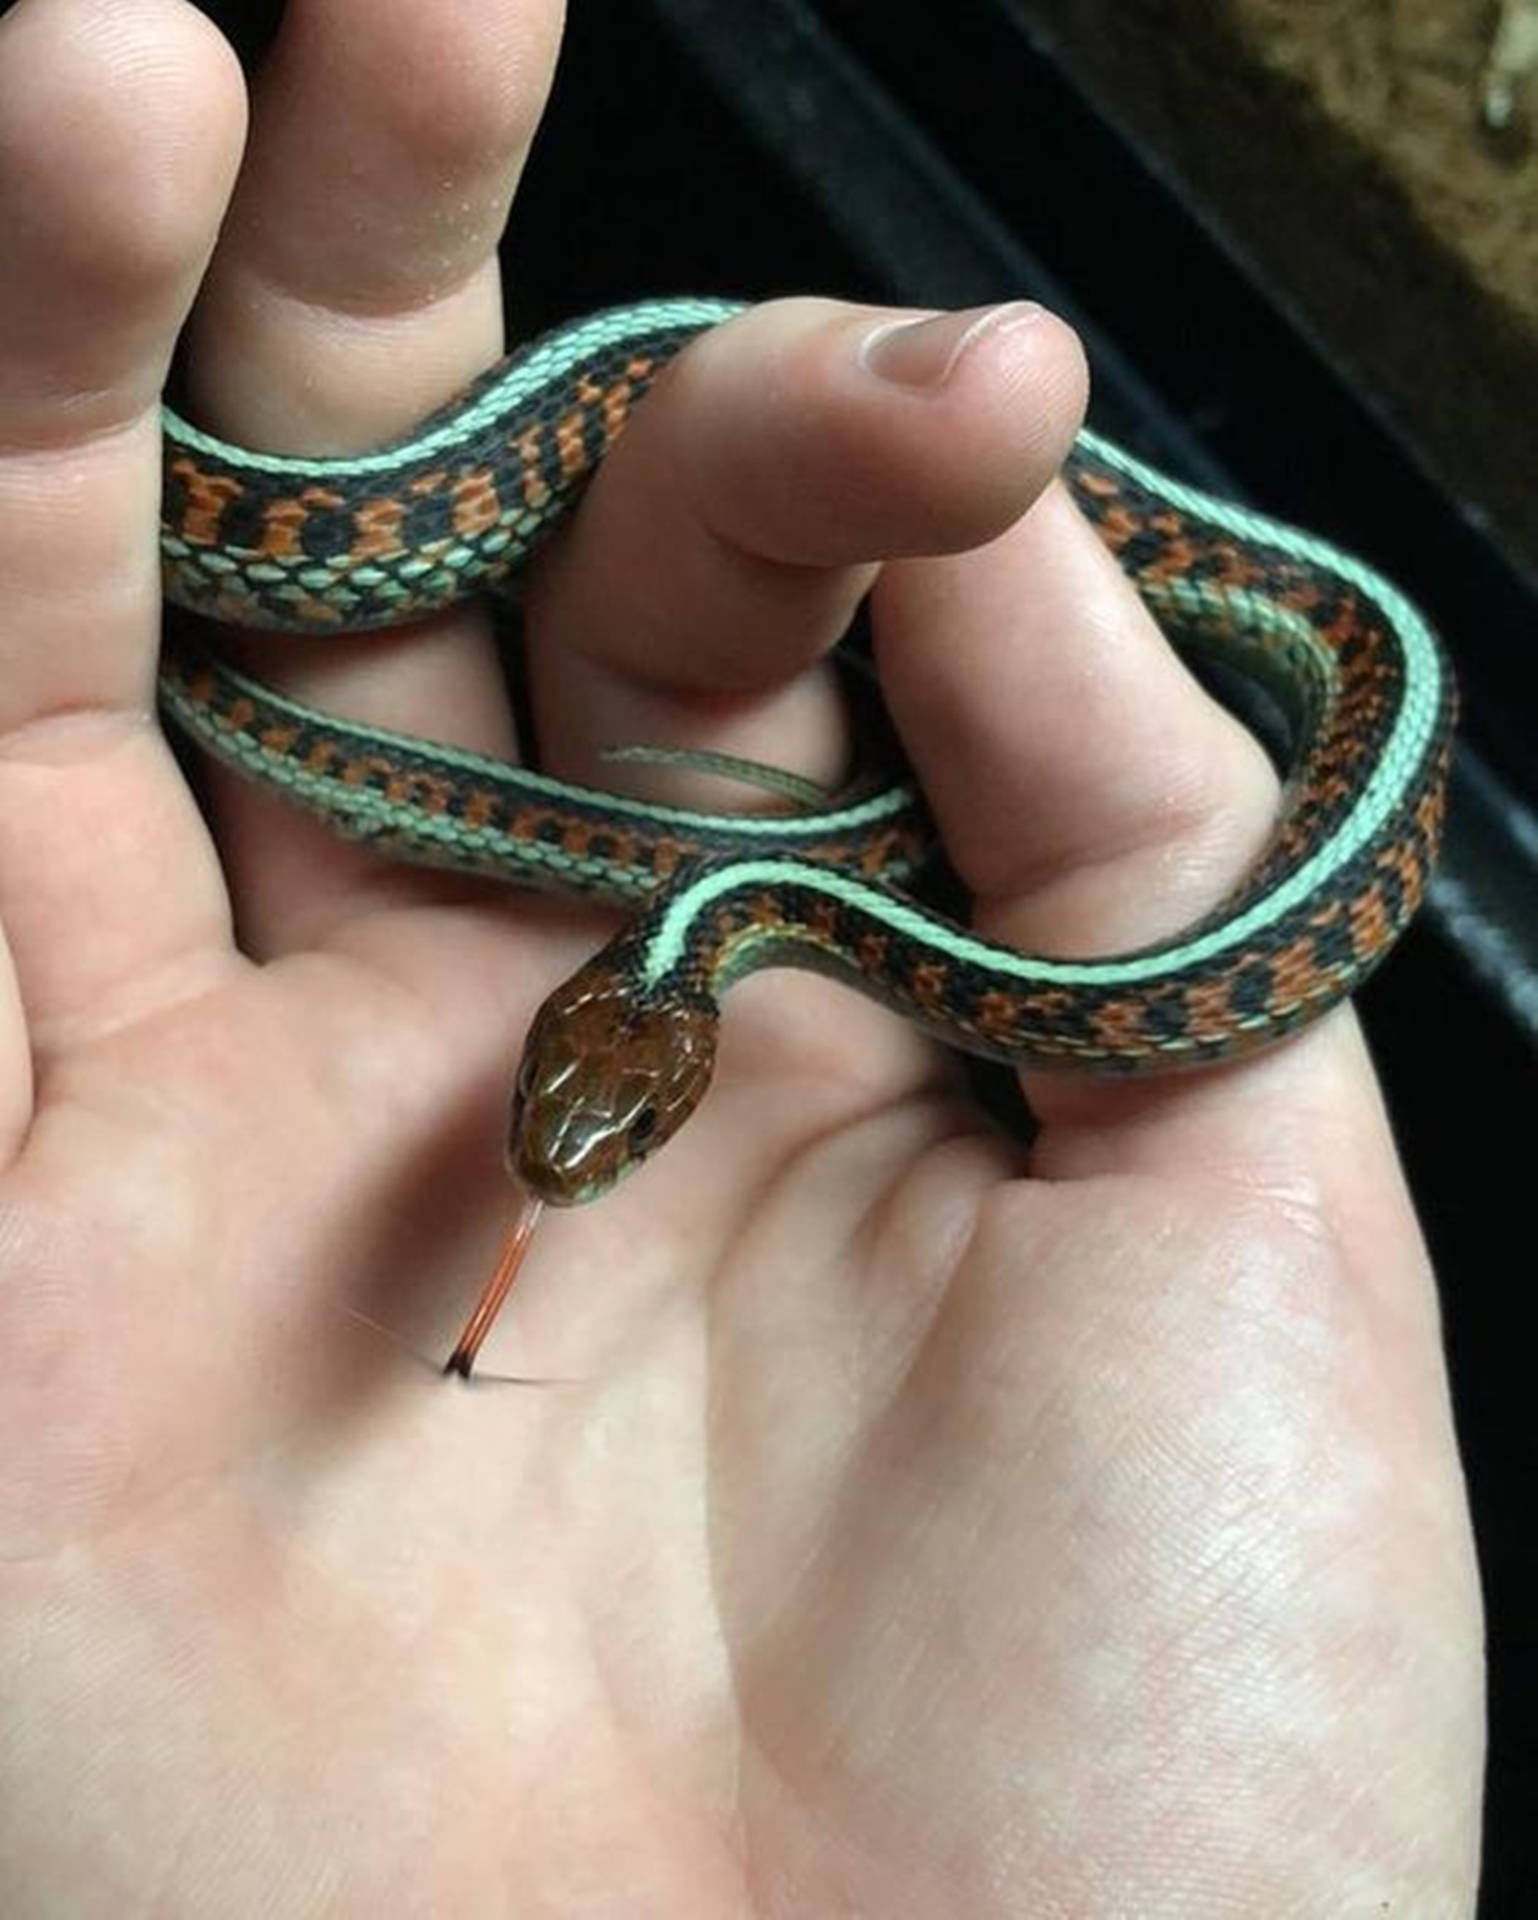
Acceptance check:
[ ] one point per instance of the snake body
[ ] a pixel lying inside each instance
(451, 509)
(619, 1055)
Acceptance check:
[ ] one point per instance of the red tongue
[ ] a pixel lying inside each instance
(497, 1288)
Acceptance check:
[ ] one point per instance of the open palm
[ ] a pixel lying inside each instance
(870, 1528)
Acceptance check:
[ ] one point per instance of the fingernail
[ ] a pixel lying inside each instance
(925, 353)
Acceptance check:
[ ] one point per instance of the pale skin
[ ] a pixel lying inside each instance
(897, 1524)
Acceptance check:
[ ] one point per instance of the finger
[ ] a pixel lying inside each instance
(1041, 691)
(1091, 795)
(356, 289)
(120, 129)
(724, 546)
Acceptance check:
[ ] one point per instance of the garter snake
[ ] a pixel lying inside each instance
(620, 1055)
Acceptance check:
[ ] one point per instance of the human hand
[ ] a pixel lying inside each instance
(891, 1532)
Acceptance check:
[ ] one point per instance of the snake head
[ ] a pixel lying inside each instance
(607, 1077)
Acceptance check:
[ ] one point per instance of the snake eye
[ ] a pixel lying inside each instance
(643, 1126)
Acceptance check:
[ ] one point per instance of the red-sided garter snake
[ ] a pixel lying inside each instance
(619, 1056)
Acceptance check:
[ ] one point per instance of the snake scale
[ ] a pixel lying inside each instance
(620, 1055)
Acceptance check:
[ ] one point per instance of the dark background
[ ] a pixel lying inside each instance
(931, 154)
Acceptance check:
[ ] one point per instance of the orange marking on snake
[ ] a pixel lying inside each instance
(569, 447)
(998, 1014)
(872, 952)
(420, 786)
(536, 492)
(1117, 526)
(1296, 974)
(1371, 929)
(479, 808)
(282, 523)
(324, 754)
(379, 525)
(1174, 562)
(1207, 1009)
(616, 408)
(476, 506)
(1402, 859)
(880, 854)
(365, 767)
(207, 497)
(1430, 811)
(1237, 569)
(625, 848)
(823, 918)
(929, 982)
(1118, 1025)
